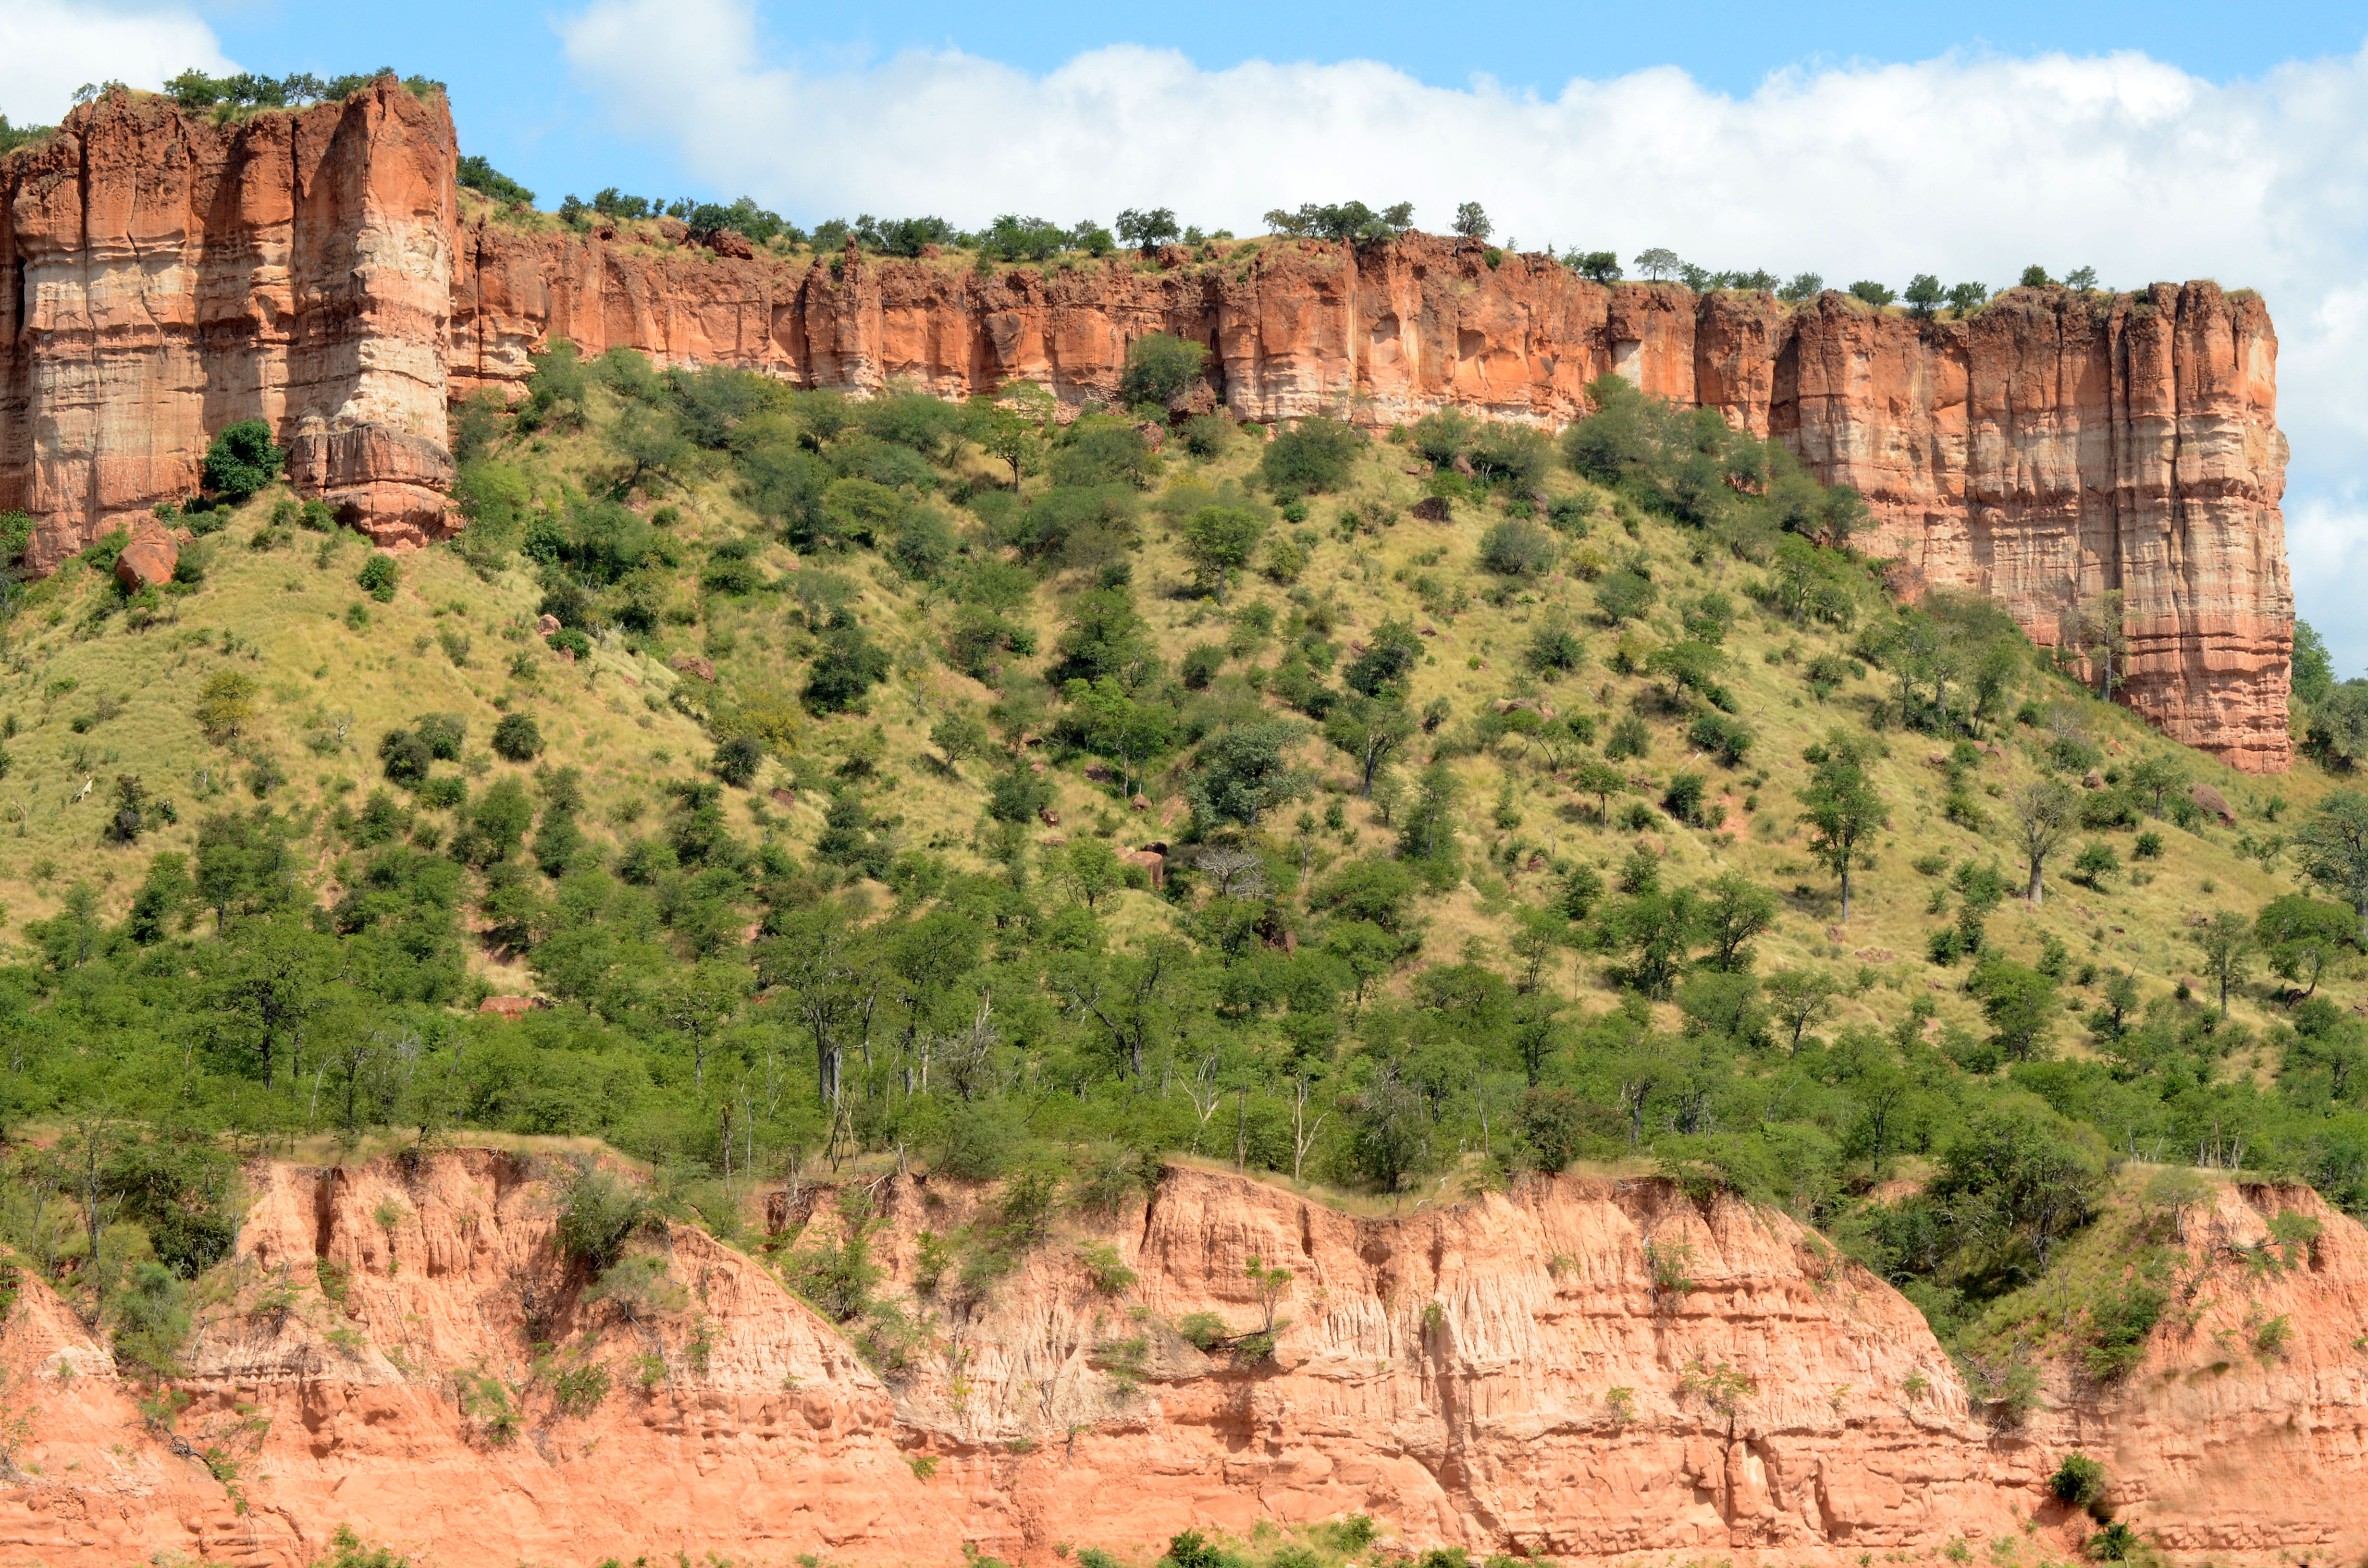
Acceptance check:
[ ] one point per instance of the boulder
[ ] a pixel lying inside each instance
(692, 665)
(2211, 801)
(148, 560)
(1430, 509)
(510, 1007)
(545, 625)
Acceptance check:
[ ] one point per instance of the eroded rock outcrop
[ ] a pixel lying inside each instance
(1584, 1368)
(167, 276)
(307, 268)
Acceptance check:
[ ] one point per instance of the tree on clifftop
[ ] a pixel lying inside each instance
(1472, 221)
(1657, 264)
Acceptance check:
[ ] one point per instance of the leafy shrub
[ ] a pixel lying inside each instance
(242, 460)
(1310, 458)
(1726, 739)
(2078, 1481)
(442, 733)
(597, 1214)
(1159, 367)
(379, 576)
(2115, 1542)
(1515, 546)
(579, 1390)
(404, 757)
(738, 760)
(518, 738)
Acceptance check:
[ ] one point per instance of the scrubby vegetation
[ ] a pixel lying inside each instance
(1562, 800)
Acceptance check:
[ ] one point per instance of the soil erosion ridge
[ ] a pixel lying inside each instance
(1581, 1368)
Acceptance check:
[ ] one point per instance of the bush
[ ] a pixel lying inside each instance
(404, 757)
(2116, 1543)
(518, 738)
(1312, 457)
(738, 760)
(242, 460)
(1519, 548)
(379, 576)
(2078, 1481)
(443, 733)
(1723, 738)
(1159, 367)
(597, 1214)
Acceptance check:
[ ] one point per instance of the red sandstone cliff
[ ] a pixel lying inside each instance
(306, 268)
(166, 276)
(1449, 1372)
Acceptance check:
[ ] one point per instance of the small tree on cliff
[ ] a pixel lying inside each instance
(1148, 228)
(242, 460)
(1472, 221)
(1924, 295)
(1159, 367)
(1655, 263)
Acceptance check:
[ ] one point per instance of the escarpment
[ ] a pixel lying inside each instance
(309, 269)
(165, 276)
(1586, 1370)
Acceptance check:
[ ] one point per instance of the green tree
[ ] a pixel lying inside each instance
(518, 738)
(1472, 221)
(1737, 911)
(1800, 998)
(1842, 807)
(379, 576)
(2020, 1004)
(2314, 668)
(1624, 594)
(1092, 870)
(2301, 936)
(2155, 776)
(1655, 263)
(1924, 295)
(1602, 781)
(1003, 434)
(1159, 367)
(1245, 771)
(2332, 847)
(699, 1003)
(1220, 539)
(1370, 730)
(2226, 942)
(242, 460)
(1312, 457)
(2046, 813)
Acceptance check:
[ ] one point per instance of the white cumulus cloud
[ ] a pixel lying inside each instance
(1969, 166)
(47, 47)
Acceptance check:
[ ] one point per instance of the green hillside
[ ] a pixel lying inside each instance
(808, 827)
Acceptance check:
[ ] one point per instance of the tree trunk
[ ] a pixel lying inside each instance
(2038, 895)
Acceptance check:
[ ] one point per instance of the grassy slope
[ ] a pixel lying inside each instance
(610, 717)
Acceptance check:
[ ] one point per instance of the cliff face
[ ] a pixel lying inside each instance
(174, 276)
(166, 276)
(393, 1348)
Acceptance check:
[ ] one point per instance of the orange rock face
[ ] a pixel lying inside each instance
(171, 276)
(2052, 447)
(1587, 1370)
(306, 268)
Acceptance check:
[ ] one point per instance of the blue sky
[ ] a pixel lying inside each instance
(2156, 141)
(519, 104)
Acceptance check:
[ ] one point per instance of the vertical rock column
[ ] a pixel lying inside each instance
(368, 378)
(2202, 541)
